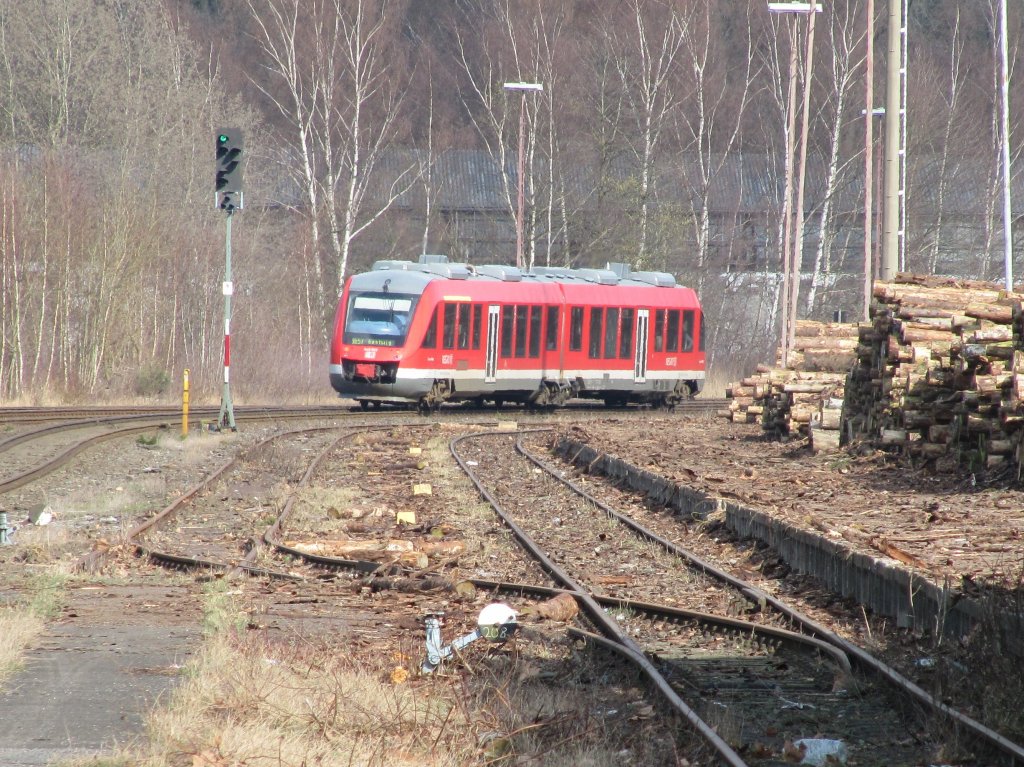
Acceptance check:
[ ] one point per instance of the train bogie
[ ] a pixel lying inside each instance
(432, 332)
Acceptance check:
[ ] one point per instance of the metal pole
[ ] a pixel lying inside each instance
(798, 239)
(521, 173)
(890, 243)
(902, 232)
(869, 117)
(226, 419)
(787, 202)
(879, 212)
(184, 403)
(1005, 89)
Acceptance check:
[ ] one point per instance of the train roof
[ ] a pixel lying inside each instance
(410, 275)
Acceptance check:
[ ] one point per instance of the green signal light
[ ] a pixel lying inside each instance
(222, 138)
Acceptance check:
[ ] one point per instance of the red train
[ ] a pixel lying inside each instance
(431, 331)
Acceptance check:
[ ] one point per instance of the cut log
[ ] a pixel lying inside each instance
(823, 440)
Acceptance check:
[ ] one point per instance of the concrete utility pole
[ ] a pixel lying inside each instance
(893, 118)
(869, 153)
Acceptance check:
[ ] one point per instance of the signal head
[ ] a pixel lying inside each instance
(229, 157)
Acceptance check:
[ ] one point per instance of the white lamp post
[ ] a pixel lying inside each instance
(791, 262)
(523, 88)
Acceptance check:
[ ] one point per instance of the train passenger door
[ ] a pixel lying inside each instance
(491, 363)
(640, 357)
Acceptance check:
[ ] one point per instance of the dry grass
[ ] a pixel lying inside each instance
(719, 379)
(196, 447)
(23, 621)
(18, 629)
(327, 509)
(253, 703)
(560, 709)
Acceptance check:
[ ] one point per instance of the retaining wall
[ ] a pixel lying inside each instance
(885, 586)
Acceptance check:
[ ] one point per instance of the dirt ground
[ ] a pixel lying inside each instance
(955, 527)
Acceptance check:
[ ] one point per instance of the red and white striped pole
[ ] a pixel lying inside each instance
(226, 420)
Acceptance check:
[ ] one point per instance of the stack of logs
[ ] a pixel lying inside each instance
(941, 373)
(806, 396)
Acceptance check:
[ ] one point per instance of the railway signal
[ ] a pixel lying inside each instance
(230, 161)
(228, 190)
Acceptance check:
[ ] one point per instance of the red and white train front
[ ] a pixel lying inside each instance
(425, 333)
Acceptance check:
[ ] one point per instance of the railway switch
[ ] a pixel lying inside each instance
(496, 623)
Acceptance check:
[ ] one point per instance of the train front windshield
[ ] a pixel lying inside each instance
(377, 318)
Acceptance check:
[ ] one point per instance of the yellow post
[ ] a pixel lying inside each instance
(184, 405)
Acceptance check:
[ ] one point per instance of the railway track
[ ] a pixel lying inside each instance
(749, 686)
(65, 433)
(736, 663)
(735, 685)
(197, 414)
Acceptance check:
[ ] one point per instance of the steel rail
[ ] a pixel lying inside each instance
(91, 560)
(18, 480)
(781, 635)
(246, 564)
(598, 615)
(763, 599)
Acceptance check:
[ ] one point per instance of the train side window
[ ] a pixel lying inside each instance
(535, 321)
(687, 330)
(521, 330)
(626, 335)
(659, 330)
(551, 342)
(596, 321)
(672, 331)
(700, 334)
(430, 339)
(507, 326)
(611, 332)
(448, 328)
(463, 324)
(478, 311)
(576, 329)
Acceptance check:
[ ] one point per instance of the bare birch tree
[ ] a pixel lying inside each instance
(523, 51)
(711, 119)
(951, 96)
(646, 56)
(341, 100)
(845, 37)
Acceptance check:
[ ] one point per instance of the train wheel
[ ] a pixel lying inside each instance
(364, 404)
(498, 402)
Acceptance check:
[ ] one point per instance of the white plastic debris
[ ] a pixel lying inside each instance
(44, 517)
(820, 752)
